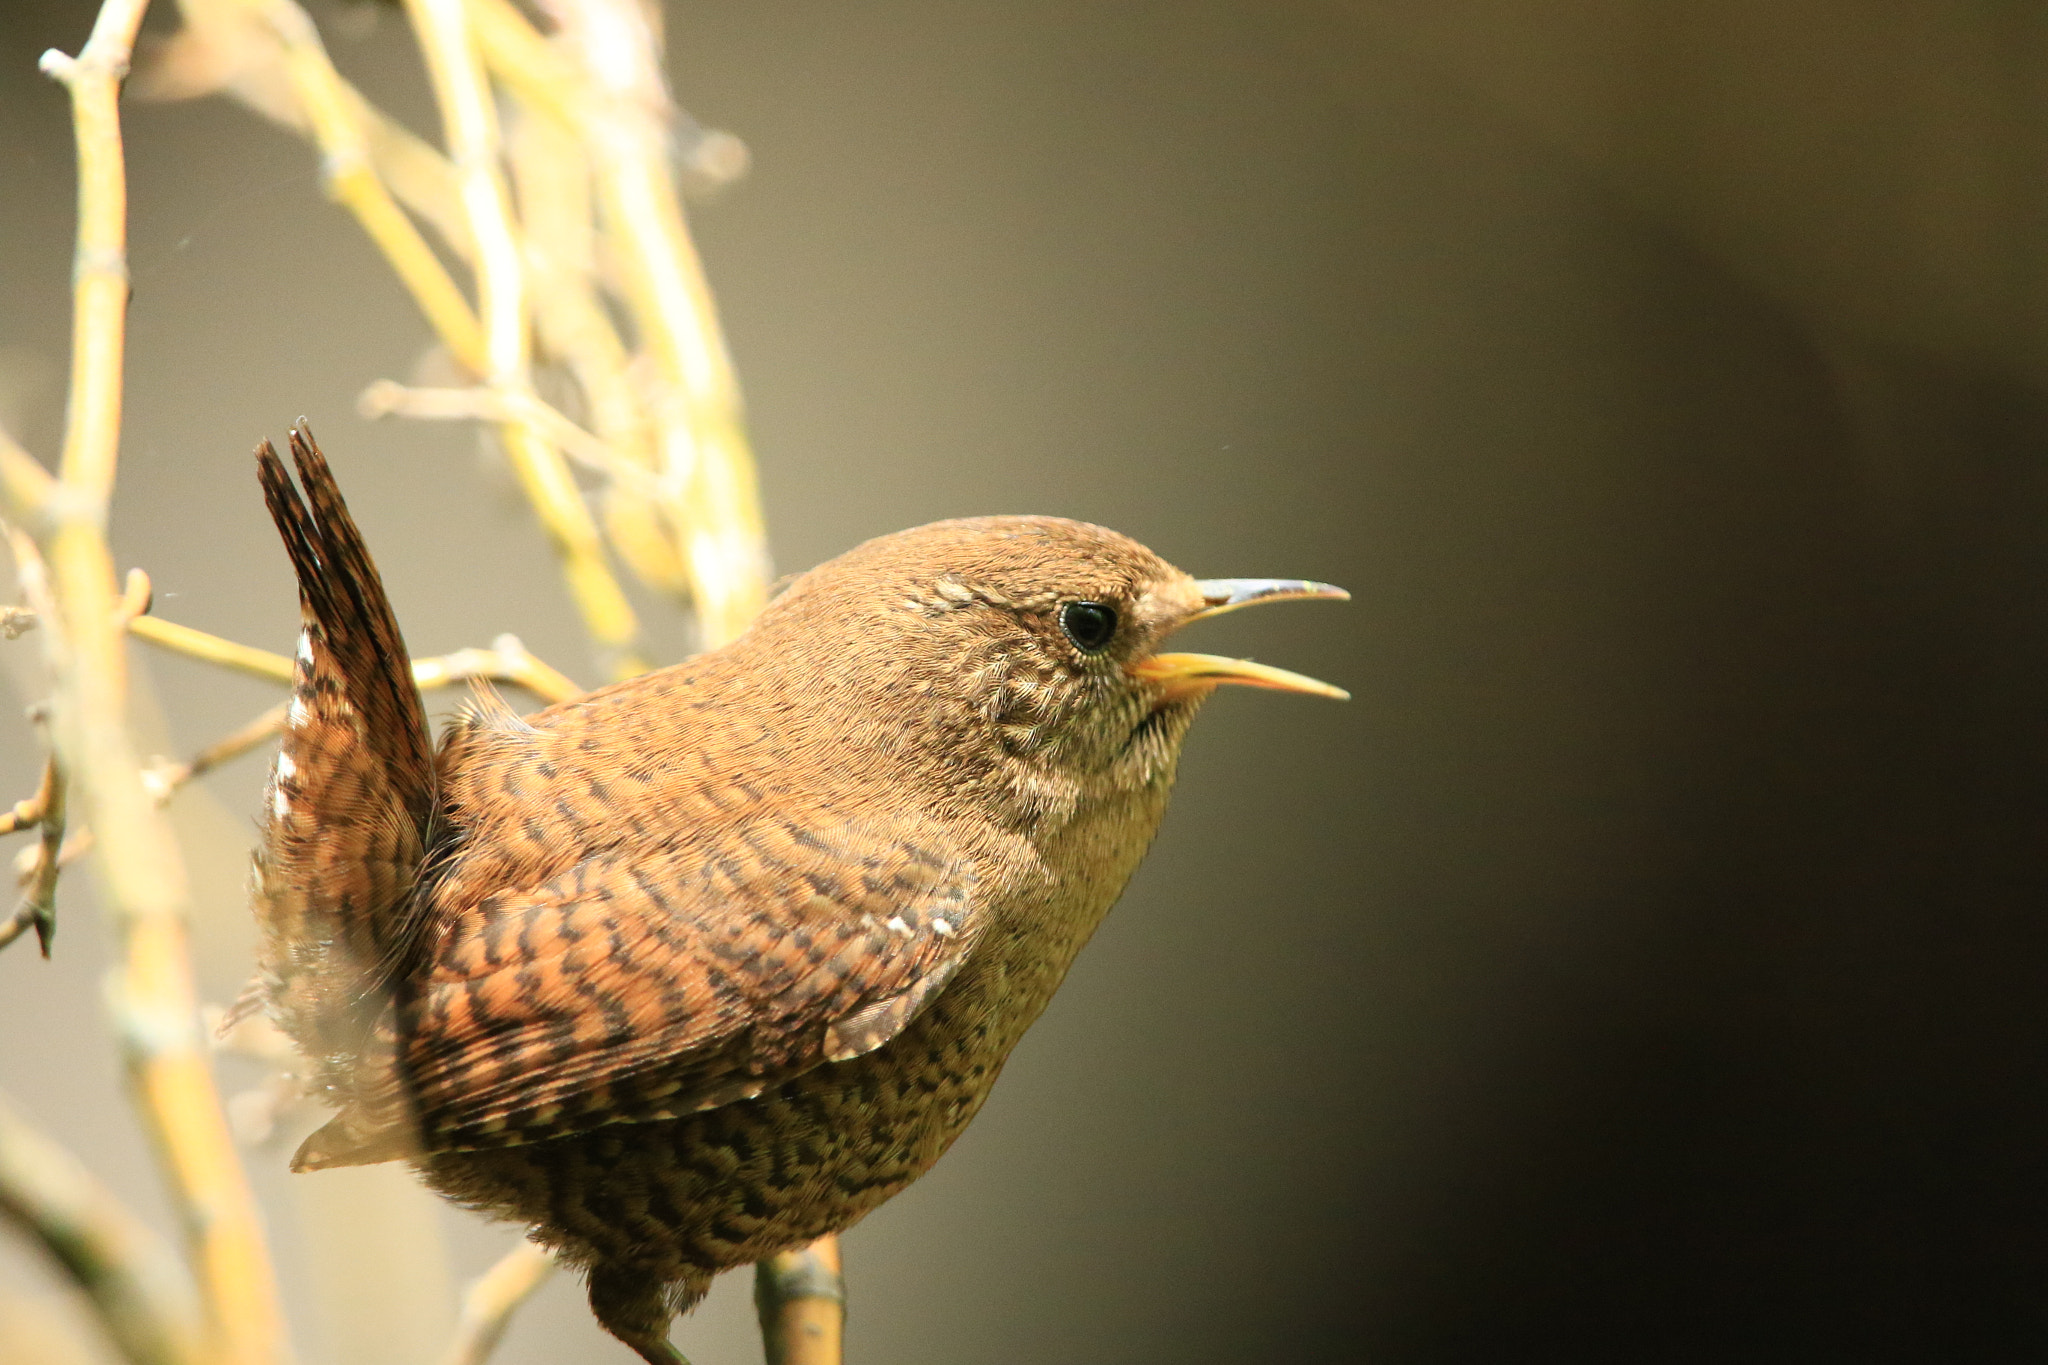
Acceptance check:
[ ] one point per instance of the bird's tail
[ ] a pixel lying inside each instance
(347, 822)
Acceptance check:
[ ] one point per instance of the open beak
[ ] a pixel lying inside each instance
(1178, 673)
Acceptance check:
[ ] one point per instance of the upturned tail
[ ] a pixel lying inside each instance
(347, 821)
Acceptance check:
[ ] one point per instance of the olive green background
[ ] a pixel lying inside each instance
(1649, 964)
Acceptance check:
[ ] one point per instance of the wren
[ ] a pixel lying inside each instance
(705, 965)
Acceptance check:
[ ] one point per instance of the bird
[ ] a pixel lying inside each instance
(707, 964)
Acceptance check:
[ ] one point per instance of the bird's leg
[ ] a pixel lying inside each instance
(637, 1305)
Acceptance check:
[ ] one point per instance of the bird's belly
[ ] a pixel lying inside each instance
(691, 1196)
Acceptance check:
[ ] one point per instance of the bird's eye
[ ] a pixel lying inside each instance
(1090, 625)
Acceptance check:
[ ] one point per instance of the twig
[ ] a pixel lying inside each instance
(151, 990)
(212, 649)
(385, 398)
(353, 139)
(463, 95)
(136, 1285)
(24, 483)
(506, 661)
(28, 812)
(163, 778)
(800, 1298)
(696, 404)
(38, 904)
(273, 61)
(551, 161)
(333, 114)
(490, 1302)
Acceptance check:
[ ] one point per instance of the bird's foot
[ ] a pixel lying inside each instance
(637, 1305)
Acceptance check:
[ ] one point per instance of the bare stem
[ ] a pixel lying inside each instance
(197, 644)
(801, 1300)
(491, 1301)
(135, 1283)
(29, 811)
(151, 992)
(463, 94)
(164, 779)
(700, 435)
(386, 398)
(38, 905)
(506, 661)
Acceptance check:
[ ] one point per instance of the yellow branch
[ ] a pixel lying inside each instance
(163, 778)
(491, 1301)
(24, 483)
(472, 128)
(212, 649)
(334, 115)
(551, 167)
(385, 398)
(151, 993)
(505, 661)
(134, 1282)
(800, 1299)
(700, 434)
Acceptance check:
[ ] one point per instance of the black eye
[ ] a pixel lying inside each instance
(1090, 625)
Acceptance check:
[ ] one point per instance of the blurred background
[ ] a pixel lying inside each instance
(1647, 965)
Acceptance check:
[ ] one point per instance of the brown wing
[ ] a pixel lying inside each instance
(642, 987)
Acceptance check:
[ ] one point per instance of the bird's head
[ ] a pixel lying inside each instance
(1032, 641)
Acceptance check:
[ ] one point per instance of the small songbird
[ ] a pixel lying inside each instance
(702, 966)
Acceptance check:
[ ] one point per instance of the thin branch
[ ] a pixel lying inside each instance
(151, 991)
(800, 1298)
(552, 172)
(24, 484)
(163, 778)
(198, 644)
(39, 887)
(135, 1283)
(696, 404)
(506, 661)
(461, 91)
(29, 811)
(268, 54)
(386, 398)
(490, 1302)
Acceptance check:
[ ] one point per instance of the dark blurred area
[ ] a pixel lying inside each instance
(1650, 963)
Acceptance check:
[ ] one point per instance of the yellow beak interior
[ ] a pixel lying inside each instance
(1184, 672)
(1179, 672)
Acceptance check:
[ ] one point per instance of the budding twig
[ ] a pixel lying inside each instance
(38, 905)
(28, 812)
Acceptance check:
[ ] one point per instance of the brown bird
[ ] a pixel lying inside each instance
(705, 965)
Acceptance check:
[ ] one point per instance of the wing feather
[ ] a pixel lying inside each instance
(636, 986)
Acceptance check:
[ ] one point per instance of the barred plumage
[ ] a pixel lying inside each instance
(706, 964)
